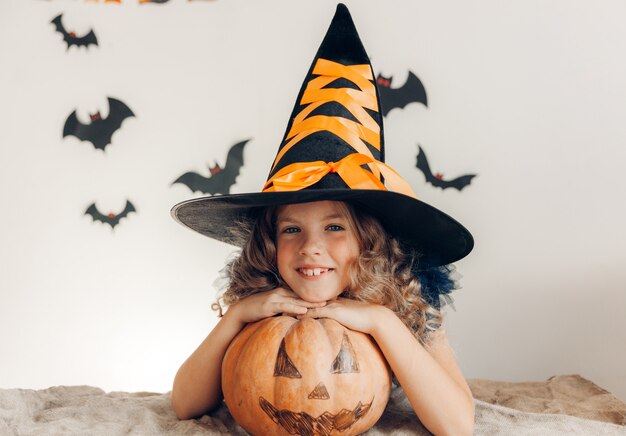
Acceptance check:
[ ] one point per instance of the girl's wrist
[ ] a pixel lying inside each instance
(381, 317)
(232, 316)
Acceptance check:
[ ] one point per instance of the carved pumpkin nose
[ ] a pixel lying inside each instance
(319, 393)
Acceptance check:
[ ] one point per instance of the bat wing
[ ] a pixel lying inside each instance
(412, 91)
(87, 40)
(424, 167)
(98, 216)
(195, 182)
(93, 212)
(415, 88)
(458, 183)
(118, 112)
(101, 131)
(223, 180)
(72, 126)
(127, 209)
(234, 159)
(58, 26)
(86, 132)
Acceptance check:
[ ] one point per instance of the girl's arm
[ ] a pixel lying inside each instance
(198, 383)
(430, 378)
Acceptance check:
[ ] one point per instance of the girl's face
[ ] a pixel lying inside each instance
(316, 244)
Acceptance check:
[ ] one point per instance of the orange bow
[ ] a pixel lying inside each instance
(300, 175)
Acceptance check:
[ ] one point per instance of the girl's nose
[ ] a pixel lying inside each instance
(311, 245)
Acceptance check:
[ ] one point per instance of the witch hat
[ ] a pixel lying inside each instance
(333, 149)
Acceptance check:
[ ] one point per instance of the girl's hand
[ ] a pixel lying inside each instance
(355, 315)
(269, 303)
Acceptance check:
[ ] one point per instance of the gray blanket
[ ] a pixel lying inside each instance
(80, 410)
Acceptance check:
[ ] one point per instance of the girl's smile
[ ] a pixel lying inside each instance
(313, 271)
(316, 244)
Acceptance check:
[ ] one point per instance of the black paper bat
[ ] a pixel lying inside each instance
(100, 130)
(110, 218)
(70, 37)
(221, 178)
(390, 98)
(437, 179)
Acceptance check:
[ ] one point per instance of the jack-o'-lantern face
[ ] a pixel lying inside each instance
(309, 377)
(301, 422)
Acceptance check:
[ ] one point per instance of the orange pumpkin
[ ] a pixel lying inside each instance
(311, 377)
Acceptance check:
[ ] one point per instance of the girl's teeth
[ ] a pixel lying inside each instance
(311, 272)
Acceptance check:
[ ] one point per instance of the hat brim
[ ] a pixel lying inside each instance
(439, 238)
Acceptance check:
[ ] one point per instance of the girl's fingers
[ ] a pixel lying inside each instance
(296, 299)
(311, 305)
(312, 313)
(300, 302)
(291, 308)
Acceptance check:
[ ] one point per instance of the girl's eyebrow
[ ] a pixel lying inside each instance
(331, 216)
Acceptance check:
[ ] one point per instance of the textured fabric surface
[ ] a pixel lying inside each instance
(566, 394)
(78, 410)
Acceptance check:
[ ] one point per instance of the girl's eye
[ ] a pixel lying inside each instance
(334, 228)
(290, 230)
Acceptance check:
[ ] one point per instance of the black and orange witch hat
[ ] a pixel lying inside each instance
(333, 149)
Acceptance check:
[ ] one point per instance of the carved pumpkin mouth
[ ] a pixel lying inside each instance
(304, 424)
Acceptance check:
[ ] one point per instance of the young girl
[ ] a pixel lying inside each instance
(326, 238)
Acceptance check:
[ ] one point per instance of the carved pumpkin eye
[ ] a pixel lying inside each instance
(284, 366)
(346, 361)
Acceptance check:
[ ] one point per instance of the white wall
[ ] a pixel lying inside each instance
(528, 94)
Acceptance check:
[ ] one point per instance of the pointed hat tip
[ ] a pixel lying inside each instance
(342, 42)
(341, 7)
(342, 13)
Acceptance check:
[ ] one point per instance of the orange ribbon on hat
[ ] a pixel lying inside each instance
(354, 133)
(300, 175)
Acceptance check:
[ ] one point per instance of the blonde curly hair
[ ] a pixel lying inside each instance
(381, 274)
